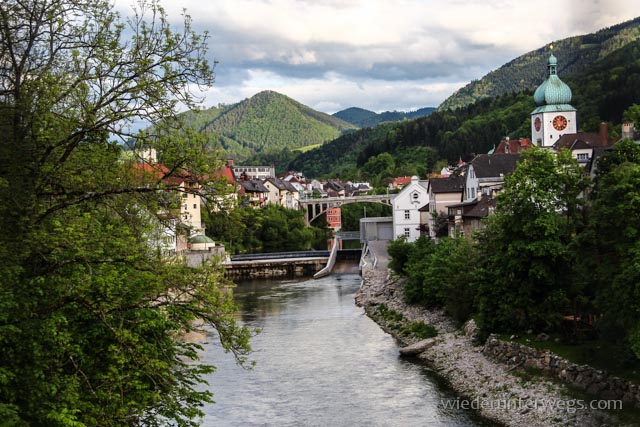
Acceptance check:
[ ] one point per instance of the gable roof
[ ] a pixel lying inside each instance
(254, 186)
(451, 184)
(481, 209)
(577, 140)
(227, 172)
(512, 146)
(281, 185)
(402, 180)
(488, 165)
(476, 208)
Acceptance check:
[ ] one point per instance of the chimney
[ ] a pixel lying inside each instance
(604, 140)
(230, 162)
(627, 130)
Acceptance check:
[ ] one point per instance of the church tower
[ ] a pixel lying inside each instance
(554, 116)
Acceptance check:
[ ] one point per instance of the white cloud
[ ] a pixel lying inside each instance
(385, 55)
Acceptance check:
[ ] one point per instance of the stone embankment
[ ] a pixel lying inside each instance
(587, 378)
(496, 386)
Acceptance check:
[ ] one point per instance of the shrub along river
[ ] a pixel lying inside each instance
(320, 361)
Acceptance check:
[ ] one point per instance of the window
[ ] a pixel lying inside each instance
(185, 195)
(473, 193)
(407, 214)
(407, 233)
(195, 206)
(185, 207)
(583, 156)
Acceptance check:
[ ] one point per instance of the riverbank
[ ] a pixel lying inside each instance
(500, 393)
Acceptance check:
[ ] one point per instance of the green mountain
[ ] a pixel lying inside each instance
(364, 118)
(575, 55)
(266, 122)
(602, 91)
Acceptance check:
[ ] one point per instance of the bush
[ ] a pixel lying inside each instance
(420, 330)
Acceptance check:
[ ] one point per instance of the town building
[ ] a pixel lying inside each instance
(334, 218)
(253, 172)
(442, 193)
(282, 193)
(253, 193)
(399, 183)
(406, 205)
(484, 175)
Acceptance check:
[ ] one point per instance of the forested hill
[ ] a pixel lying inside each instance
(575, 55)
(602, 91)
(266, 122)
(364, 118)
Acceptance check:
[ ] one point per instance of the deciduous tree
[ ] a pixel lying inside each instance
(90, 313)
(525, 253)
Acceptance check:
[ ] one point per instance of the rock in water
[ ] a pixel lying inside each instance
(419, 347)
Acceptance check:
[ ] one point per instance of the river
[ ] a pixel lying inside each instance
(320, 361)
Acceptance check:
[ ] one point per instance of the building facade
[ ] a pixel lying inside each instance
(406, 205)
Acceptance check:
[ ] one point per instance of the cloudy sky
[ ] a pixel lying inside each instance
(378, 54)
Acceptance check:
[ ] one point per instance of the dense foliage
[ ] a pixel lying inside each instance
(601, 91)
(270, 229)
(352, 212)
(266, 122)
(576, 54)
(559, 255)
(418, 144)
(523, 279)
(91, 313)
(438, 274)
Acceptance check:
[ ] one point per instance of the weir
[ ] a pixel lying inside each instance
(288, 265)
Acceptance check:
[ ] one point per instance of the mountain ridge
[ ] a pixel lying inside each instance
(268, 121)
(365, 118)
(575, 54)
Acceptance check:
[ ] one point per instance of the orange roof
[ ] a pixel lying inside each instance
(402, 180)
(226, 172)
(513, 146)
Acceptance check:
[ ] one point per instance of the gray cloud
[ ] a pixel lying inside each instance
(377, 54)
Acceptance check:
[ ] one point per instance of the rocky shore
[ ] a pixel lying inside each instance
(502, 393)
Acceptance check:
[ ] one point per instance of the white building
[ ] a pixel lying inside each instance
(406, 205)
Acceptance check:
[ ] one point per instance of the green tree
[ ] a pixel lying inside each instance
(91, 314)
(378, 168)
(632, 114)
(271, 229)
(612, 242)
(440, 275)
(523, 279)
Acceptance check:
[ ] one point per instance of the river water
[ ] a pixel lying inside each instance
(320, 361)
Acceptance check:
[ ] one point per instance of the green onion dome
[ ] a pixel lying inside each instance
(552, 91)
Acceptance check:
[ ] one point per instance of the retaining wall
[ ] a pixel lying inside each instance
(593, 381)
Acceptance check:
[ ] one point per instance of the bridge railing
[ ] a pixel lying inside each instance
(281, 255)
(375, 197)
(348, 235)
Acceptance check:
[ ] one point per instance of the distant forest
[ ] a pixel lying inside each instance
(575, 55)
(601, 92)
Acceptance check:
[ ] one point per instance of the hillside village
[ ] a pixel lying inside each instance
(451, 203)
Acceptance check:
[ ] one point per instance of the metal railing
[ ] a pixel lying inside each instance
(280, 255)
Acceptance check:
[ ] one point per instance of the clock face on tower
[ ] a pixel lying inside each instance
(559, 122)
(537, 123)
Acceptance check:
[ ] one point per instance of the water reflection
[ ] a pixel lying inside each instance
(321, 362)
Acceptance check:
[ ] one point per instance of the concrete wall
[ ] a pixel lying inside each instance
(380, 228)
